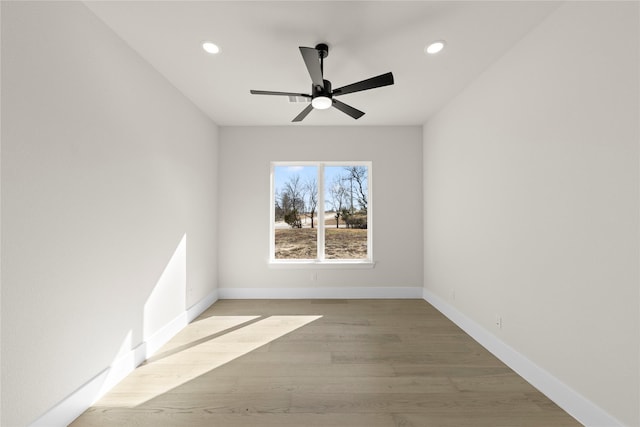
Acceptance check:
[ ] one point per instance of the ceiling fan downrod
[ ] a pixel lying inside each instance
(323, 52)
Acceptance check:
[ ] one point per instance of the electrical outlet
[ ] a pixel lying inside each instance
(499, 321)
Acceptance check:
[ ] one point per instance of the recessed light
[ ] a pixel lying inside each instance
(210, 47)
(434, 47)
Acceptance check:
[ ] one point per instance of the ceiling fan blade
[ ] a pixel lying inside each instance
(303, 114)
(348, 109)
(312, 61)
(372, 83)
(268, 92)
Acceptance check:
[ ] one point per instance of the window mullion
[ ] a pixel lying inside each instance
(321, 209)
(272, 215)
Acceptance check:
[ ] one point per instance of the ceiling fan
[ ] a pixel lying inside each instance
(322, 97)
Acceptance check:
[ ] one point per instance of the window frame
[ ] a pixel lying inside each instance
(320, 260)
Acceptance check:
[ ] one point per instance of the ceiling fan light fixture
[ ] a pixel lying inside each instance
(210, 47)
(321, 102)
(434, 47)
(322, 96)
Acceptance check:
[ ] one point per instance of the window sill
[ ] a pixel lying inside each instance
(324, 265)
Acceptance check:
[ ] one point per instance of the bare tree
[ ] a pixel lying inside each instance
(357, 177)
(279, 209)
(292, 201)
(311, 188)
(338, 194)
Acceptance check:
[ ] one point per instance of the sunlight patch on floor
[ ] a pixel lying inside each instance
(163, 374)
(200, 330)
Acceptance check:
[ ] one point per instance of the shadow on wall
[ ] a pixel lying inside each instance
(168, 296)
(163, 315)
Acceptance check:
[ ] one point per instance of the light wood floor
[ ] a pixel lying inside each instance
(369, 363)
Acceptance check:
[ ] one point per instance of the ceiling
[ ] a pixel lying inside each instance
(260, 40)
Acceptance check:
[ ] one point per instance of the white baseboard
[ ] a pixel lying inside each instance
(198, 308)
(353, 292)
(164, 334)
(80, 400)
(564, 396)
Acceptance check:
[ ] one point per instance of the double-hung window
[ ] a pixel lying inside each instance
(321, 213)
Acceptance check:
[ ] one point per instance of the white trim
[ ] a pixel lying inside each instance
(321, 292)
(370, 211)
(168, 331)
(198, 308)
(272, 209)
(80, 400)
(321, 234)
(164, 334)
(564, 396)
(121, 368)
(322, 265)
(73, 405)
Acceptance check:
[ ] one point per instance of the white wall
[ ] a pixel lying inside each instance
(531, 194)
(244, 161)
(105, 169)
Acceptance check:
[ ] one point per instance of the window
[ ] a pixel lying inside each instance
(321, 212)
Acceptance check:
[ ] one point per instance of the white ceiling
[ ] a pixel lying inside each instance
(260, 40)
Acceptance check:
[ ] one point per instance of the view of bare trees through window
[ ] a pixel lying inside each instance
(347, 199)
(344, 220)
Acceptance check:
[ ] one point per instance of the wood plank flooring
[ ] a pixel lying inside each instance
(373, 363)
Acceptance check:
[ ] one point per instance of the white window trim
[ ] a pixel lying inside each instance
(320, 261)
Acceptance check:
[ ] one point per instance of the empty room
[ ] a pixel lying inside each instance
(320, 213)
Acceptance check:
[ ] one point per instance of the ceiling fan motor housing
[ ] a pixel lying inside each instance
(320, 91)
(323, 50)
